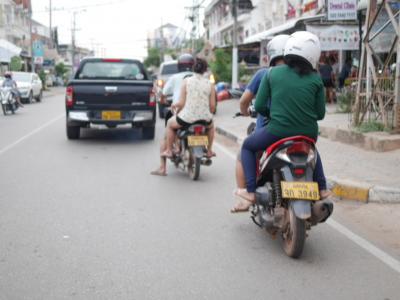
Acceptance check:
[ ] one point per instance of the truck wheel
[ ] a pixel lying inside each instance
(149, 132)
(161, 110)
(73, 132)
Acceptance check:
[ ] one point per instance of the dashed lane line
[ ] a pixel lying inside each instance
(363, 243)
(33, 132)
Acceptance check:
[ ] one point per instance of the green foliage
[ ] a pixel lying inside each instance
(61, 69)
(370, 126)
(42, 76)
(16, 63)
(153, 58)
(345, 100)
(222, 66)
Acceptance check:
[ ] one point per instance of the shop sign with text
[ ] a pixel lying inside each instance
(342, 10)
(336, 37)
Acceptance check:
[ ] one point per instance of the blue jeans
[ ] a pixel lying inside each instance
(260, 140)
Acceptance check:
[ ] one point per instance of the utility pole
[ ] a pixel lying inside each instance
(31, 44)
(397, 83)
(50, 25)
(73, 30)
(234, 45)
(162, 41)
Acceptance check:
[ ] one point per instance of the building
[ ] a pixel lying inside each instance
(166, 36)
(71, 56)
(15, 29)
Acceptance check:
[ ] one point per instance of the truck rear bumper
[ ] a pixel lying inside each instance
(139, 116)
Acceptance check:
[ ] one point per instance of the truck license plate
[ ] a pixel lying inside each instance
(111, 115)
(300, 190)
(198, 140)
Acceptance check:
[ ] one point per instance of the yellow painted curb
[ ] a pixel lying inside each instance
(351, 192)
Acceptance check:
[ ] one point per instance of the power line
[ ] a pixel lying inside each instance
(55, 9)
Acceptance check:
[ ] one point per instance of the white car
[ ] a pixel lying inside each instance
(29, 86)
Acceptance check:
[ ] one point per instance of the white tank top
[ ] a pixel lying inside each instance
(197, 105)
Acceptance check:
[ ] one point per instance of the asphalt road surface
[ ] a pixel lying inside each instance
(85, 220)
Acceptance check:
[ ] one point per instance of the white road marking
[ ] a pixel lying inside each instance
(363, 243)
(12, 145)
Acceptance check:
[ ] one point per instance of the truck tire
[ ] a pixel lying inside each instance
(73, 132)
(161, 109)
(149, 132)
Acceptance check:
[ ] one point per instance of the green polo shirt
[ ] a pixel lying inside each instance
(297, 102)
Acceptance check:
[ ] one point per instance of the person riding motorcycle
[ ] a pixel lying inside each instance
(275, 57)
(173, 87)
(297, 93)
(197, 103)
(10, 83)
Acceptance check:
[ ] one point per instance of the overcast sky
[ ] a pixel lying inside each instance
(118, 26)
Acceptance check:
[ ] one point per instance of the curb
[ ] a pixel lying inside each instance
(344, 189)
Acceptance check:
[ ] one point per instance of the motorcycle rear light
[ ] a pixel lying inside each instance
(299, 148)
(299, 171)
(69, 97)
(152, 98)
(199, 129)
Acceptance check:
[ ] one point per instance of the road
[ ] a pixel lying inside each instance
(85, 220)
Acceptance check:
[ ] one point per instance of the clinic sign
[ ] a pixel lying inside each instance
(342, 10)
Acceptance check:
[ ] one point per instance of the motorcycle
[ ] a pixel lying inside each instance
(193, 142)
(8, 101)
(287, 198)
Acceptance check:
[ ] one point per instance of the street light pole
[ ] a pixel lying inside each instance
(50, 25)
(234, 46)
(31, 43)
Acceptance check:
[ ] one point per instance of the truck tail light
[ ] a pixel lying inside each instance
(152, 99)
(69, 98)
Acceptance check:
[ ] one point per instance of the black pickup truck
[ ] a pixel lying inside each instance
(111, 92)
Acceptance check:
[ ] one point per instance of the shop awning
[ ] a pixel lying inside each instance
(8, 50)
(279, 29)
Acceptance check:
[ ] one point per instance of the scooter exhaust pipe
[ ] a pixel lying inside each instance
(321, 211)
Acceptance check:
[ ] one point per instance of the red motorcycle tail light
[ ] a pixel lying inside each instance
(199, 129)
(299, 148)
(299, 171)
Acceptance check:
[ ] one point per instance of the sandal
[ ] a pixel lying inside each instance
(242, 206)
(158, 173)
(210, 154)
(325, 194)
(167, 154)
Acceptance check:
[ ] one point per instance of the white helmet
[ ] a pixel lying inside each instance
(304, 44)
(276, 47)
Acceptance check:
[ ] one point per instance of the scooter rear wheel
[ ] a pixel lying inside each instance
(4, 107)
(194, 167)
(294, 236)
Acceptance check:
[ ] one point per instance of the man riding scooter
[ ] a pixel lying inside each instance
(10, 83)
(173, 87)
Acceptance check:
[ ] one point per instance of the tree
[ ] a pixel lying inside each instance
(16, 63)
(61, 69)
(222, 66)
(153, 58)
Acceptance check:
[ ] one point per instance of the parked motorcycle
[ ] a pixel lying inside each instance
(287, 198)
(193, 142)
(8, 101)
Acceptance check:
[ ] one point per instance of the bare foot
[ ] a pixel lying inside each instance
(242, 206)
(210, 154)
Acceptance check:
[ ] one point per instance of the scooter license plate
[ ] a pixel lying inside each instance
(300, 190)
(111, 115)
(197, 140)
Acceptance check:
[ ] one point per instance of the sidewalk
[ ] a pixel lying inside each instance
(352, 172)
